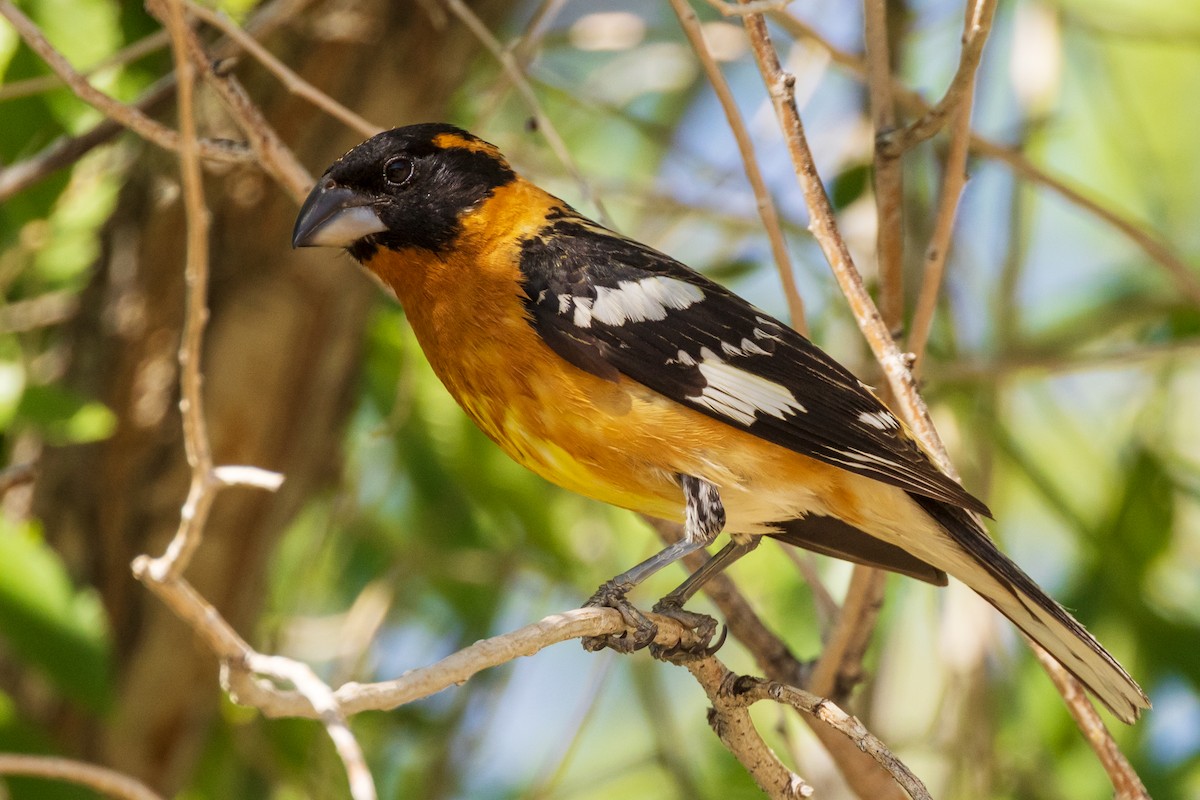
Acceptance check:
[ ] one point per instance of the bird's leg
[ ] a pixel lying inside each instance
(705, 626)
(738, 547)
(705, 516)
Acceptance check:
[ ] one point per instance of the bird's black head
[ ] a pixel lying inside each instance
(407, 187)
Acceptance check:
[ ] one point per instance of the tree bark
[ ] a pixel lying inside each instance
(281, 360)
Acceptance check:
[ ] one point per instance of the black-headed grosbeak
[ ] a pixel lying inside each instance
(613, 370)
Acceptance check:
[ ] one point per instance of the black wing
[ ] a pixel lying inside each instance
(613, 306)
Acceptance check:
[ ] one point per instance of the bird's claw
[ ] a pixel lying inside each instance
(640, 630)
(702, 627)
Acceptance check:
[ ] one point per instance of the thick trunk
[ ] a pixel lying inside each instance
(281, 361)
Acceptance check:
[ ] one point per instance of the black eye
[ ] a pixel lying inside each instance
(398, 171)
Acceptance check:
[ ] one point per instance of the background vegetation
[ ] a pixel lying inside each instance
(1061, 369)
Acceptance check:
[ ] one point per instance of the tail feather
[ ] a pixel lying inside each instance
(1003, 584)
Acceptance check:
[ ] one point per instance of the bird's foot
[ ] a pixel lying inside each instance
(640, 630)
(698, 645)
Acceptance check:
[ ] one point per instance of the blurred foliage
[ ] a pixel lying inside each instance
(1063, 372)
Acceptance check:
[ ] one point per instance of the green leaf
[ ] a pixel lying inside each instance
(47, 623)
(64, 417)
(849, 185)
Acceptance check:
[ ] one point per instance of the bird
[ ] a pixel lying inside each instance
(613, 370)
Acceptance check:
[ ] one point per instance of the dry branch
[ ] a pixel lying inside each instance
(105, 781)
(900, 378)
(127, 116)
(541, 122)
(287, 76)
(977, 25)
(762, 195)
(1125, 781)
(1153, 246)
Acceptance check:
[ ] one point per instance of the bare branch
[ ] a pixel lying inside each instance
(730, 720)
(191, 403)
(541, 121)
(362, 785)
(257, 477)
(1152, 245)
(293, 82)
(126, 55)
(866, 315)
(780, 86)
(1125, 782)
(272, 154)
(888, 173)
(779, 664)
(976, 28)
(66, 150)
(733, 9)
(751, 690)
(127, 116)
(105, 781)
(456, 668)
(766, 205)
(959, 95)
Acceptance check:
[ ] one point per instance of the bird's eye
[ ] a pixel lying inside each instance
(398, 171)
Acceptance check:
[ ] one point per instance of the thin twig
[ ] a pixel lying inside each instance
(69, 149)
(99, 779)
(287, 76)
(762, 195)
(959, 94)
(126, 55)
(976, 27)
(127, 116)
(751, 690)
(729, 718)
(866, 315)
(541, 121)
(454, 669)
(1125, 782)
(734, 9)
(780, 86)
(778, 663)
(195, 610)
(888, 172)
(275, 158)
(1187, 281)
(522, 49)
(191, 403)
(362, 785)
(839, 669)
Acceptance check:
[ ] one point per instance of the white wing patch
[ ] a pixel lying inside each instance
(883, 420)
(739, 395)
(645, 300)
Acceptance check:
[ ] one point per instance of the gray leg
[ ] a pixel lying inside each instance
(714, 566)
(705, 516)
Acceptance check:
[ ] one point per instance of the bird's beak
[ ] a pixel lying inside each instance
(334, 216)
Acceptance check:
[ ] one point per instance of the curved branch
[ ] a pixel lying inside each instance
(127, 116)
(752, 690)
(1152, 245)
(105, 781)
(762, 195)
